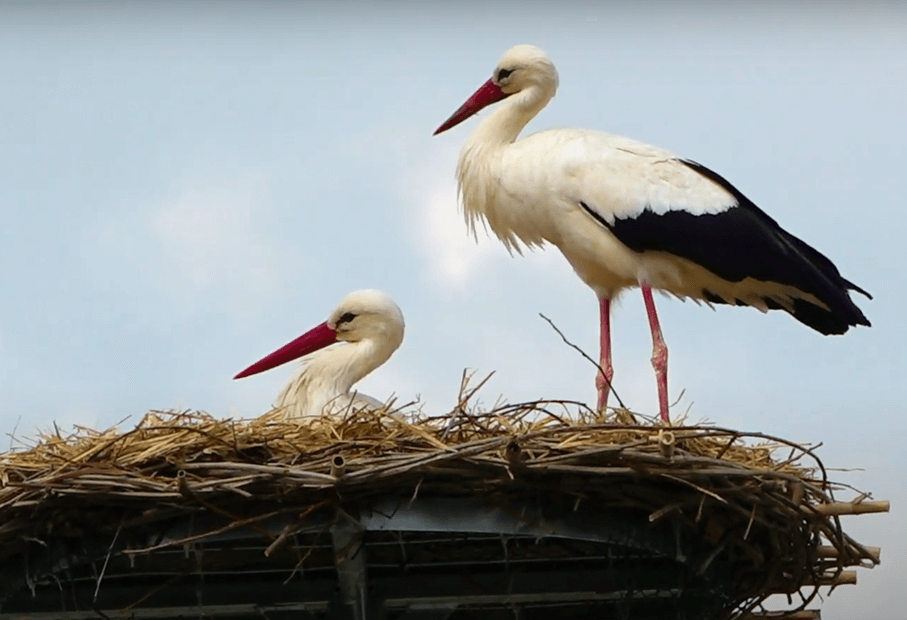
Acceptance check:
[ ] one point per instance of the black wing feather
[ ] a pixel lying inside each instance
(744, 242)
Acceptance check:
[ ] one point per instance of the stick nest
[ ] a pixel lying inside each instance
(755, 499)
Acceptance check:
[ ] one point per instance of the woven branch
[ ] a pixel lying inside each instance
(724, 486)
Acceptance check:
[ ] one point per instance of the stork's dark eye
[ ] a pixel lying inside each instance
(503, 74)
(347, 317)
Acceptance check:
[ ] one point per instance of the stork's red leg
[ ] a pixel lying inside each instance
(659, 352)
(603, 378)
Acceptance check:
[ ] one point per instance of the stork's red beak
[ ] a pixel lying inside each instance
(314, 339)
(488, 93)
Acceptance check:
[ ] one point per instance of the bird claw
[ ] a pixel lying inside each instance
(603, 385)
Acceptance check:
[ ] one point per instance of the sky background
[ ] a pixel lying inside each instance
(186, 186)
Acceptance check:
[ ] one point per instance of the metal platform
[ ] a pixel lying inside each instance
(396, 559)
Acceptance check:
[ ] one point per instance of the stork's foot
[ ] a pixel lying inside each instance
(603, 385)
(659, 352)
(660, 364)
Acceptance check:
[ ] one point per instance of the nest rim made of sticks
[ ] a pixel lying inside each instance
(696, 475)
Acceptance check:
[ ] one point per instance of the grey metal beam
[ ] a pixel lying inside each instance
(433, 514)
(532, 597)
(528, 518)
(349, 558)
(429, 611)
(150, 613)
(398, 592)
(433, 608)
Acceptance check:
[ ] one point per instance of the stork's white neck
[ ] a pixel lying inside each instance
(332, 373)
(348, 363)
(477, 170)
(503, 126)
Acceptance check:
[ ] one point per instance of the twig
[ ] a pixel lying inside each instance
(769, 511)
(12, 435)
(216, 532)
(107, 559)
(583, 353)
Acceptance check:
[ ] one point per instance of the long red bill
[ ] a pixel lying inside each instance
(488, 93)
(314, 339)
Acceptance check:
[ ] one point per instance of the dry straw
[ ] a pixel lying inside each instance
(752, 496)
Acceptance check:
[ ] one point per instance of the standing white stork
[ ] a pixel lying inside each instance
(368, 327)
(625, 214)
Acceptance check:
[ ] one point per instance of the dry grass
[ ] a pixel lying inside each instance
(752, 496)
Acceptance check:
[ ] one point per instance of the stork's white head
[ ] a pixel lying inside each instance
(368, 314)
(362, 315)
(521, 68)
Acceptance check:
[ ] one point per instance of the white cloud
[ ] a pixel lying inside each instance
(421, 173)
(454, 257)
(214, 235)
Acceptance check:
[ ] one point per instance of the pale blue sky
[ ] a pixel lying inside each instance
(186, 186)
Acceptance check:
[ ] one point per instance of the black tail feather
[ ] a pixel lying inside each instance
(803, 267)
